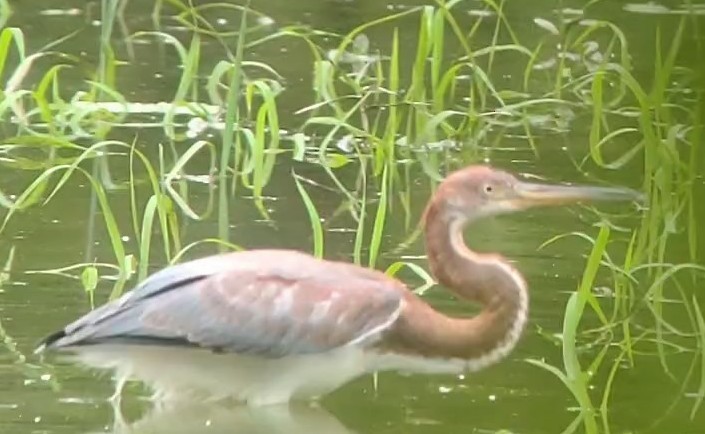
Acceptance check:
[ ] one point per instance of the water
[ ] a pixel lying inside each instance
(513, 396)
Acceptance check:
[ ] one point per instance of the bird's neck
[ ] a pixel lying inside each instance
(486, 279)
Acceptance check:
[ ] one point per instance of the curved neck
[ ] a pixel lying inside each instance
(486, 279)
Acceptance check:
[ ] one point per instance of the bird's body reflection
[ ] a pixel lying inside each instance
(222, 418)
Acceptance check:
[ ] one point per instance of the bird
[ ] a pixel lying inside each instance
(270, 326)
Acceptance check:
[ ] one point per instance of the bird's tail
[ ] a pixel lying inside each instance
(49, 341)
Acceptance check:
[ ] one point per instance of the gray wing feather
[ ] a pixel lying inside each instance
(164, 280)
(291, 310)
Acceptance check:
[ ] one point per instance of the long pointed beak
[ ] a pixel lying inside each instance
(532, 194)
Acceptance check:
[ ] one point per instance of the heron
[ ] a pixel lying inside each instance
(268, 326)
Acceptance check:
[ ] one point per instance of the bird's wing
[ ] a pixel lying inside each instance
(165, 280)
(300, 305)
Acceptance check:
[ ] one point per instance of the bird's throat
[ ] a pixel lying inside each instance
(486, 279)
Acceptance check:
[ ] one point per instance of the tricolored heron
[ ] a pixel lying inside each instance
(267, 326)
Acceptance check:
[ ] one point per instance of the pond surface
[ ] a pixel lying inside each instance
(45, 396)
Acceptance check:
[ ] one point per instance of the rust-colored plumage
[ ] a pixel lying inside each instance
(266, 326)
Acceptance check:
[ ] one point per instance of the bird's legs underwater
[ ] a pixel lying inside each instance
(119, 422)
(120, 381)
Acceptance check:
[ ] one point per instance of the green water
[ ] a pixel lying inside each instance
(512, 397)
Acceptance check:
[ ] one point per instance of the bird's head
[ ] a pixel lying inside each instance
(481, 191)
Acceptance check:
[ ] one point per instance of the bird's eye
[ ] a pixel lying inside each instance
(489, 189)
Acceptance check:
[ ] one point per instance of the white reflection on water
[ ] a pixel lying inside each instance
(215, 418)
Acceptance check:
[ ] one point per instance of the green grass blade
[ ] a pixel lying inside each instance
(314, 218)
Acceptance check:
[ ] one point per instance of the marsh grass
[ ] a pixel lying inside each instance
(665, 136)
(386, 112)
(109, 108)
